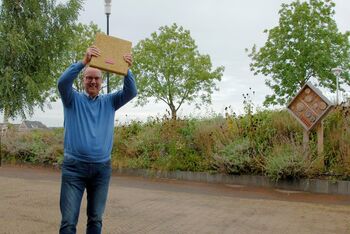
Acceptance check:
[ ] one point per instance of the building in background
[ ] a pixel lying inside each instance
(27, 125)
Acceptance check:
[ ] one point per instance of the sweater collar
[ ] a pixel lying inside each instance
(89, 97)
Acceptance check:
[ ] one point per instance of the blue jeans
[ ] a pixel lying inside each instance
(76, 177)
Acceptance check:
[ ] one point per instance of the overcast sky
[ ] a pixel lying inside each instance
(220, 28)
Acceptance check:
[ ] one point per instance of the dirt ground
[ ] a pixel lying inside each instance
(29, 203)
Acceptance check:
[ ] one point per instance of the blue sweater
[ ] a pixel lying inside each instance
(89, 123)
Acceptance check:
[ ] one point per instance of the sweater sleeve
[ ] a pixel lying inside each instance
(65, 82)
(128, 92)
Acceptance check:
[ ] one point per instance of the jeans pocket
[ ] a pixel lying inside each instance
(107, 164)
(68, 161)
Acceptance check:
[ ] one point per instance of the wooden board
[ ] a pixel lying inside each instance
(309, 106)
(112, 51)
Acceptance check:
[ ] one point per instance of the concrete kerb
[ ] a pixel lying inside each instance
(307, 185)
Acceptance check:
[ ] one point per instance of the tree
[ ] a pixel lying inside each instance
(305, 45)
(83, 36)
(170, 69)
(33, 37)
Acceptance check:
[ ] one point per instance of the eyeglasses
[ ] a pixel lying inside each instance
(90, 78)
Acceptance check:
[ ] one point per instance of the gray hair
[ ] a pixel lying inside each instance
(86, 67)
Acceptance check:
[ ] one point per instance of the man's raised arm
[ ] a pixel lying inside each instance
(129, 90)
(65, 82)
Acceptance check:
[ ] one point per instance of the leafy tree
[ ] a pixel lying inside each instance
(83, 36)
(33, 37)
(305, 45)
(170, 69)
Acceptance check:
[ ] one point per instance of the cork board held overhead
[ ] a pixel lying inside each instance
(112, 51)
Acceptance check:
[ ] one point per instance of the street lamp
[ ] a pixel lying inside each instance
(108, 6)
(337, 71)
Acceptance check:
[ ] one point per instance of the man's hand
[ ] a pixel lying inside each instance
(91, 51)
(128, 59)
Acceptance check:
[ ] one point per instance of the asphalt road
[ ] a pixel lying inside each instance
(29, 204)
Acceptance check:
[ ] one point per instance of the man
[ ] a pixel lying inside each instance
(88, 139)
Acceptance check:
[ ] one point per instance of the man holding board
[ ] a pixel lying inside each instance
(88, 140)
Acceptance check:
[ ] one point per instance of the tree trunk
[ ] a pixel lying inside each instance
(6, 116)
(173, 112)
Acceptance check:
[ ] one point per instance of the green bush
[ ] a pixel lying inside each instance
(140, 163)
(286, 162)
(37, 147)
(261, 143)
(235, 158)
(337, 146)
(173, 162)
(211, 136)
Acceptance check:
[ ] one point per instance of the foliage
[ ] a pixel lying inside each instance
(158, 144)
(33, 37)
(235, 158)
(337, 148)
(38, 147)
(211, 135)
(286, 162)
(170, 69)
(305, 45)
(83, 36)
(265, 143)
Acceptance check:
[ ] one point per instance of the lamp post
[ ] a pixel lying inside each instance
(337, 71)
(108, 6)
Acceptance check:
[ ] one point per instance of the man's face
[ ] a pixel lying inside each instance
(92, 81)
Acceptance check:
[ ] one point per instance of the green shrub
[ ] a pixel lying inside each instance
(337, 143)
(37, 147)
(211, 136)
(173, 162)
(235, 158)
(140, 163)
(265, 143)
(286, 162)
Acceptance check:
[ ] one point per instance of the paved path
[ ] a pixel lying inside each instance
(29, 204)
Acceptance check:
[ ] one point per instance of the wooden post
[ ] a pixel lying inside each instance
(0, 149)
(319, 130)
(306, 143)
